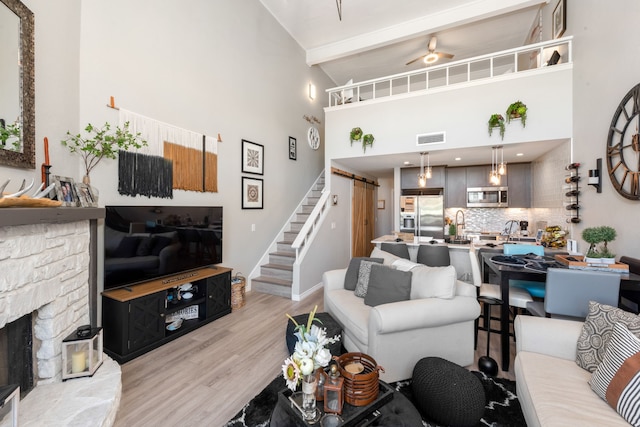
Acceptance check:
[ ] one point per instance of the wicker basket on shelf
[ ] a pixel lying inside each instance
(237, 291)
(360, 389)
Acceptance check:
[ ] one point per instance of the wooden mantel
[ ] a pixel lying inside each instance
(26, 216)
(29, 216)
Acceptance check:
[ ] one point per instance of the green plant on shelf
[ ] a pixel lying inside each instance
(517, 110)
(595, 235)
(496, 121)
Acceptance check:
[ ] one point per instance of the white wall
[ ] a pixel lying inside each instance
(208, 66)
(386, 221)
(600, 83)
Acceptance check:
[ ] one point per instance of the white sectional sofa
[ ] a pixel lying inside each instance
(398, 334)
(552, 389)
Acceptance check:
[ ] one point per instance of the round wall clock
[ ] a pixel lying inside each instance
(313, 136)
(623, 146)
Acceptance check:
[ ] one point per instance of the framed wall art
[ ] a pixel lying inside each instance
(65, 190)
(86, 197)
(559, 18)
(252, 193)
(293, 152)
(252, 157)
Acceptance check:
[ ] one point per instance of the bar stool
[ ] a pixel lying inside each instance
(434, 255)
(487, 364)
(398, 249)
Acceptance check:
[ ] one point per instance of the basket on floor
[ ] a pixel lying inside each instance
(237, 291)
(360, 389)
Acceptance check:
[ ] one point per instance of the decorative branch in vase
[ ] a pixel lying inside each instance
(101, 143)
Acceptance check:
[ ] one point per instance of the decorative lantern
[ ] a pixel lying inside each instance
(333, 394)
(9, 398)
(82, 352)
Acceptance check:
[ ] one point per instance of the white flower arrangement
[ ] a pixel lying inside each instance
(309, 352)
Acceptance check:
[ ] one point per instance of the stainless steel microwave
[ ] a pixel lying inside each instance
(487, 197)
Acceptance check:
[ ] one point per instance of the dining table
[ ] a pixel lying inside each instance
(505, 273)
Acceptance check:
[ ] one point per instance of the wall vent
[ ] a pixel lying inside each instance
(430, 138)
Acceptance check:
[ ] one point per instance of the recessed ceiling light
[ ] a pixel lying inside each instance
(520, 154)
(457, 159)
(407, 163)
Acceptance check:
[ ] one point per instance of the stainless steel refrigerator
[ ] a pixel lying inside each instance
(429, 215)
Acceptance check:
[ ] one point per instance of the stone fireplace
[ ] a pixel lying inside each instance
(47, 260)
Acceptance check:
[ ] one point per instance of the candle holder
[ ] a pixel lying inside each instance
(333, 392)
(82, 353)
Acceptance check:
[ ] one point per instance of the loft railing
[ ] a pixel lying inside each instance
(516, 60)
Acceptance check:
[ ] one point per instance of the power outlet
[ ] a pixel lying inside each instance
(333, 225)
(253, 227)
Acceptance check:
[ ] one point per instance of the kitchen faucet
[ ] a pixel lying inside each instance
(459, 224)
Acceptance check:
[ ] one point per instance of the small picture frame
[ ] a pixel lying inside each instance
(65, 190)
(559, 19)
(293, 152)
(252, 157)
(252, 193)
(380, 204)
(85, 196)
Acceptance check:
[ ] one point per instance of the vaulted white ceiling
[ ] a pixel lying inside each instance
(378, 37)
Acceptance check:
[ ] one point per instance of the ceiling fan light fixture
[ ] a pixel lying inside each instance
(431, 58)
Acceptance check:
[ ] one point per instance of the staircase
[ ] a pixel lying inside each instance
(276, 276)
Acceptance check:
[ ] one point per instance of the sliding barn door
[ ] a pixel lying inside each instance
(362, 219)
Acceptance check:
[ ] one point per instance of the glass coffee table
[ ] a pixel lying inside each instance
(286, 414)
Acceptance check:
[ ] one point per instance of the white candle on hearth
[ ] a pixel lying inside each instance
(78, 362)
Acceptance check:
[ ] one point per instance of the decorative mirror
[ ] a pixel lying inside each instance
(17, 89)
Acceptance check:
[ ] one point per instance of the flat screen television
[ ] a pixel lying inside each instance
(148, 242)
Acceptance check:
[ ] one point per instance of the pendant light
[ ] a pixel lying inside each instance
(502, 169)
(424, 174)
(494, 177)
(422, 180)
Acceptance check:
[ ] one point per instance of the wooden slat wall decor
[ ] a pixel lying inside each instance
(210, 172)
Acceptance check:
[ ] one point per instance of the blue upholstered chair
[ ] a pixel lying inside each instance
(535, 289)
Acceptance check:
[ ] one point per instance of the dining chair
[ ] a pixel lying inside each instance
(398, 249)
(570, 290)
(535, 289)
(490, 294)
(434, 255)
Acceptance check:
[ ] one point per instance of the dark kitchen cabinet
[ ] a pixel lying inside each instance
(519, 185)
(478, 176)
(456, 188)
(409, 178)
(135, 318)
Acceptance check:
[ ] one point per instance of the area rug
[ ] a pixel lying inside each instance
(502, 409)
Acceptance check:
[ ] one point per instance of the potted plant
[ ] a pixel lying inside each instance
(517, 110)
(595, 235)
(496, 121)
(101, 143)
(367, 140)
(355, 135)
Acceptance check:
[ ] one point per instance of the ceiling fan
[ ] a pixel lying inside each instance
(431, 56)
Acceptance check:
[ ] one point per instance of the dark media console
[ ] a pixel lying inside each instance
(134, 319)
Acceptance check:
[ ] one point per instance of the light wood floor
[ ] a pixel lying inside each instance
(205, 377)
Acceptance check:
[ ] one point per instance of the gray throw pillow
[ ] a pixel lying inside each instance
(387, 285)
(351, 277)
(363, 278)
(597, 330)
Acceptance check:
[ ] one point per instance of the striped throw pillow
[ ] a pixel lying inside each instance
(617, 378)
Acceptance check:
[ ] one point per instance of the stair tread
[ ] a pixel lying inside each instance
(277, 266)
(272, 280)
(284, 254)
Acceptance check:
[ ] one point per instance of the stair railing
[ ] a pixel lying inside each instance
(311, 226)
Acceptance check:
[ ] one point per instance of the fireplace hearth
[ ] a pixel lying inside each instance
(16, 354)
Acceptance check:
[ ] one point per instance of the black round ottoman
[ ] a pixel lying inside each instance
(333, 328)
(446, 393)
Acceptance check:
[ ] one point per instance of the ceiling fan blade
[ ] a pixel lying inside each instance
(432, 43)
(444, 55)
(414, 60)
